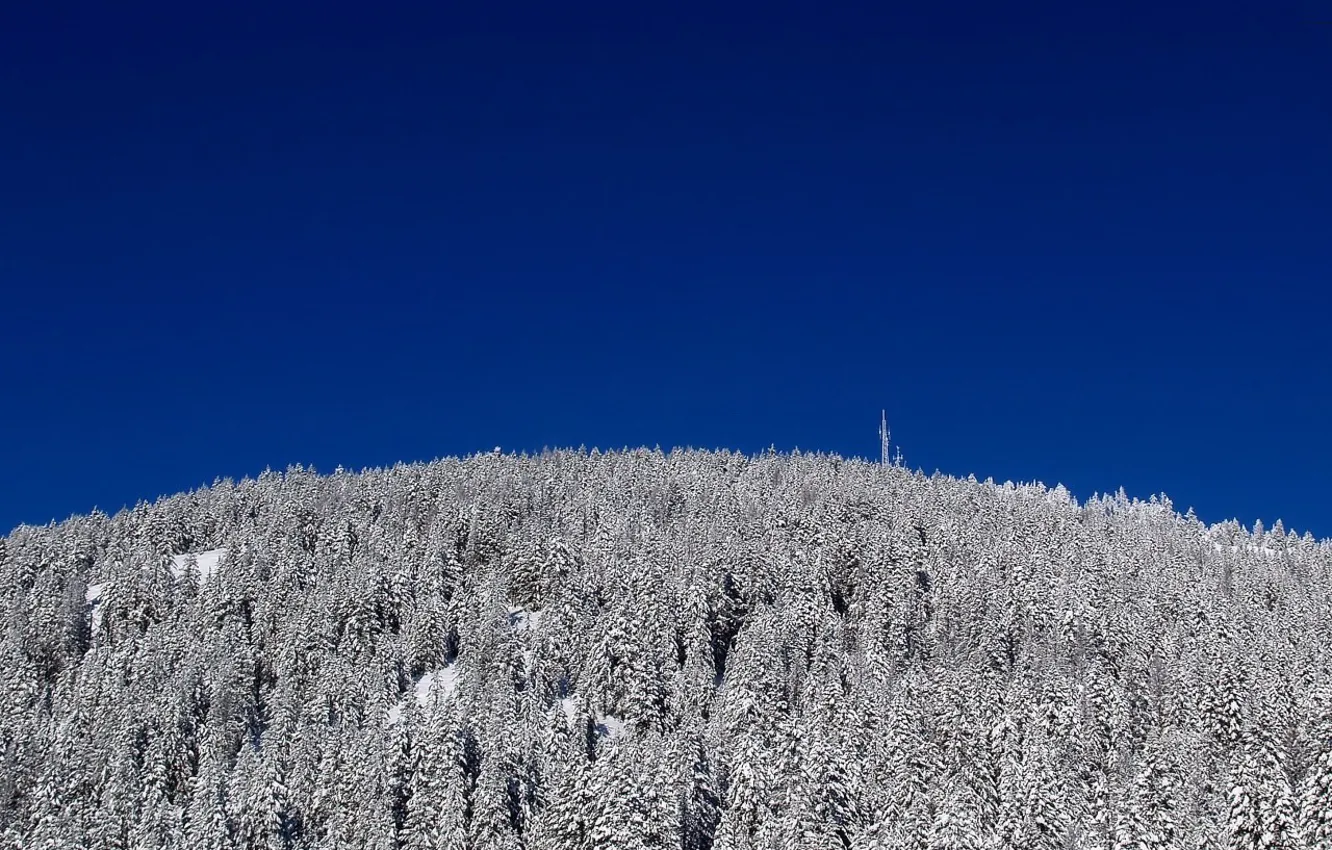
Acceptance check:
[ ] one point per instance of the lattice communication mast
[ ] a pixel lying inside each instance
(884, 435)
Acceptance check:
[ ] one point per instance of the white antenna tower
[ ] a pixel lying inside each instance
(884, 435)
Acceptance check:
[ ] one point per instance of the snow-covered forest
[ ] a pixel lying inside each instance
(695, 650)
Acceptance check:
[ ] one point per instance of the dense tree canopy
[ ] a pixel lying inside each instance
(695, 650)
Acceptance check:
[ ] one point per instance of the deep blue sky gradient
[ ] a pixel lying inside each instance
(1074, 243)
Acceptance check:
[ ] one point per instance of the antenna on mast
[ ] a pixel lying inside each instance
(884, 435)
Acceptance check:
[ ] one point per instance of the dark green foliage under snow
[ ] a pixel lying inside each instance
(697, 650)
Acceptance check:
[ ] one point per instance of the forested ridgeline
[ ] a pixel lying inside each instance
(689, 650)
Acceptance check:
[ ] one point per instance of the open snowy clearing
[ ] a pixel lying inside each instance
(609, 726)
(93, 596)
(445, 680)
(570, 707)
(207, 562)
(522, 620)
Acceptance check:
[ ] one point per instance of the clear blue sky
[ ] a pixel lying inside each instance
(1074, 243)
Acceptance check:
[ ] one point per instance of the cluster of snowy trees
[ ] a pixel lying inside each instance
(694, 650)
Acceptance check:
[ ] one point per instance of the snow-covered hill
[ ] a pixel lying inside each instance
(633, 649)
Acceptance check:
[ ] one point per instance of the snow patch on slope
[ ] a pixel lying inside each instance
(448, 678)
(93, 596)
(444, 680)
(523, 620)
(423, 686)
(610, 726)
(570, 708)
(207, 561)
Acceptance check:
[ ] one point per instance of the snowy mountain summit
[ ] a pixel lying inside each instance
(695, 650)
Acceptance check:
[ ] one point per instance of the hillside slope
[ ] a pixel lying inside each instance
(634, 649)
